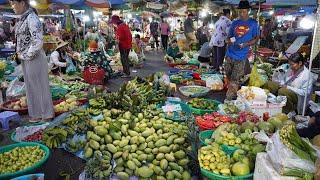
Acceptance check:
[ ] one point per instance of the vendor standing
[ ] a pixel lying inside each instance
(29, 36)
(58, 57)
(244, 33)
(124, 38)
(294, 85)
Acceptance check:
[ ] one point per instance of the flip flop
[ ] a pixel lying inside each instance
(34, 120)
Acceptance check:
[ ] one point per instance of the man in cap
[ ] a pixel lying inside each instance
(244, 32)
(124, 38)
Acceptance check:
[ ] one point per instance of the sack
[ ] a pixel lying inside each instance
(16, 88)
(214, 83)
(255, 79)
(71, 68)
(284, 160)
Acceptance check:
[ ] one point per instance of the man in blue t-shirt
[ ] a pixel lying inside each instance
(244, 32)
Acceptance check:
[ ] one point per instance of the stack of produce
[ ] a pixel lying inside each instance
(211, 121)
(289, 136)
(201, 103)
(36, 136)
(231, 135)
(145, 145)
(19, 104)
(212, 158)
(66, 105)
(54, 137)
(20, 158)
(245, 116)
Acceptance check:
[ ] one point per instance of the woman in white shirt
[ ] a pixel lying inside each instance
(58, 61)
(294, 84)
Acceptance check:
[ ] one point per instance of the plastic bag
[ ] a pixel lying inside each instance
(71, 68)
(255, 78)
(24, 131)
(283, 159)
(133, 58)
(214, 83)
(15, 88)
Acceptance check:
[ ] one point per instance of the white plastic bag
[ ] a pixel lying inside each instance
(283, 158)
(214, 83)
(15, 88)
(133, 57)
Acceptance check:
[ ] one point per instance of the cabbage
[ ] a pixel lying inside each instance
(240, 169)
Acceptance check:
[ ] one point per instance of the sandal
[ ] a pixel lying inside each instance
(47, 119)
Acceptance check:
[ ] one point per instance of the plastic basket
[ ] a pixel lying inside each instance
(13, 134)
(229, 149)
(204, 111)
(202, 91)
(94, 75)
(28, 177)
(21, 111)
(214, 176)
(205, 135)
(29, 169)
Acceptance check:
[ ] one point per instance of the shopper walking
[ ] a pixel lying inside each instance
(222, 27)
(29, 37)
(203, 34)
(124, 38)
(154, 31)
(189, 31)
(244, 33)
(165, 31)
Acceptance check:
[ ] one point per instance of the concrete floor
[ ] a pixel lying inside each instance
(61, 160)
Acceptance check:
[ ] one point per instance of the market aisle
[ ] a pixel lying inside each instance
(154, 63)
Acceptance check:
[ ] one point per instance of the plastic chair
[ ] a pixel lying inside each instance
(7, 116)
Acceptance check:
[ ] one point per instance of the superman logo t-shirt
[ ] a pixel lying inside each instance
(242, 31)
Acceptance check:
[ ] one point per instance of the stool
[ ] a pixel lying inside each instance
(6, 116)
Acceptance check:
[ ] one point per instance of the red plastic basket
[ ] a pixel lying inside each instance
(93, 75)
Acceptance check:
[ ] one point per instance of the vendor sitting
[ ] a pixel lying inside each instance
(205, 53)
(313, 128)
(173, 51)
(58, 57)
(294, 84)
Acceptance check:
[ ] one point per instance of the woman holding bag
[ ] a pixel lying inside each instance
(29, 48)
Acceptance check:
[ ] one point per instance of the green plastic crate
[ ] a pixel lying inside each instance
(29, 169)
(200, 112)
(214, 176)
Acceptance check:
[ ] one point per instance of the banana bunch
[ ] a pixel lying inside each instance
(3, 65)
(71, 120)
(94, 111)
(53, 137)
(97, 103)
(80, 112)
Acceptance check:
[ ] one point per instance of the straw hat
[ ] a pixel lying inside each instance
(61, 44)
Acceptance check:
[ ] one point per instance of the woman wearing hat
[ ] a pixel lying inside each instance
(29, 39)
(58, 61)
(294, 84)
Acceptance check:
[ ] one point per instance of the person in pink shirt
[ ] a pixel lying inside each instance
(165, 31)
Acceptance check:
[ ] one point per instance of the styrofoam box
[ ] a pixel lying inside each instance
(272, 109)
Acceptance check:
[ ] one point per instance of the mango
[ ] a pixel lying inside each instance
(131, 165)
(164, 149)
(179, 141)
(164, 164)
(88, 152)
(179, 154)
(123, 175)
(158, 171)
(107, 139)
(112, 148)
(160, 142)
(160, 156)
(186, 175)
(183, 162)
(94, 144)
(145, 172)
(100, 130)
(170, 157)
